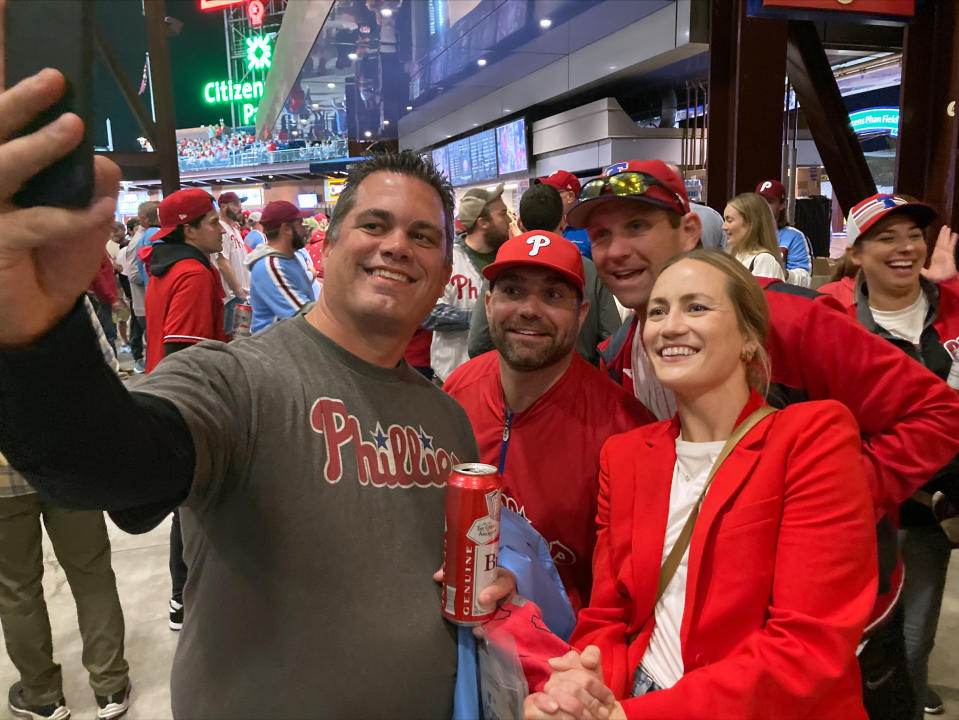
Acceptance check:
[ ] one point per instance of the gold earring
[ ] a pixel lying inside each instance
(746, 356)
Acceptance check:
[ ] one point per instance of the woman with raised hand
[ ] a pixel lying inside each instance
(735, 566)
(751, 236)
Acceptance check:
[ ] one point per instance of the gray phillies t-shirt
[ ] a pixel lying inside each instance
(312, 531)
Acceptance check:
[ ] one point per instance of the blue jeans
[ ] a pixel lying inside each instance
(925, 551)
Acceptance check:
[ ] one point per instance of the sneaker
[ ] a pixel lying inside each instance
(139, 366)
(176, 615)
(19, 707)
(113, 706)
(932, 704)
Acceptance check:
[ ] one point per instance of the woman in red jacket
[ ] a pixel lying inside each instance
(763, 607)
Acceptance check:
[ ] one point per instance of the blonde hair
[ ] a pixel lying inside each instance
(761, 235)
(749, 303)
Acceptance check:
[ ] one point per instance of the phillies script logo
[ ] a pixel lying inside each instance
(464, 287)
(952, 347)
(400, 456)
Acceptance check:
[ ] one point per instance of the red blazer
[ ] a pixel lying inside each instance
(782, 570)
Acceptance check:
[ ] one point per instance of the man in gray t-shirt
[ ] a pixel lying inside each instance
(310, 461)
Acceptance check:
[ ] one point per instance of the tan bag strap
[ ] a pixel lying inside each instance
(671, 564)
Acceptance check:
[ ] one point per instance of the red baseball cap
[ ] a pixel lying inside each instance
(874, 208)
(182, 207)
(229, 197)
(281, 211)
(562, 180)
(539, 248)
(771, 189)
(661, 187)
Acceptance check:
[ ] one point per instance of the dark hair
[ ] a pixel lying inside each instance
(541, 208)
(272, 232)
(132, 223)
(405, 162)
(177, 235)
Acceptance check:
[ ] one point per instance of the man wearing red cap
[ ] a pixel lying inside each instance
(231, 260)
(279, 286)
(798, 248)
(184, 300)
(568, 186)
(535, 398)
(638, 218)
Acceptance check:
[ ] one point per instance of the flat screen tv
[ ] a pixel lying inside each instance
(461, 172)
(511, 151)
(483, 155)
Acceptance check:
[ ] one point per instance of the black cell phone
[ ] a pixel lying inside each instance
(57, 34)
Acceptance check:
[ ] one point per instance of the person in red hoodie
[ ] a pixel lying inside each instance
(539, 411)
(104, 289)
(183, 304)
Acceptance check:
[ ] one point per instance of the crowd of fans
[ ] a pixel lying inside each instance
(226, 147)
(733, 498)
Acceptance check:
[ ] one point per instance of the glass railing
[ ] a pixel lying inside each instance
(246, 158)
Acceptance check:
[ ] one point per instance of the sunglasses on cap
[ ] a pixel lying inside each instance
(624, 184)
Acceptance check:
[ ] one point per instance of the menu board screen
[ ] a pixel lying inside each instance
(483, 155)
(511, 147)
(460, 164)
(441, 161)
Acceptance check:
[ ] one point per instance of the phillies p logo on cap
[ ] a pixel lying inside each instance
(765, 186)
(537, 241)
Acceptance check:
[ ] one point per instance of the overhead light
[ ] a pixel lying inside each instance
(386, 12)
(245, 179)
(475, 124)
(545, 23)
(316, 106)
(368, 134)
(506, 110)
(331, 85)
(352, 56)
(481, 62)
(386, 122)
(409, 107)
(612, 67)
(270, 177)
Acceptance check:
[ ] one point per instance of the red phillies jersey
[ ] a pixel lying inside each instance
(548, 455)
(184, 300)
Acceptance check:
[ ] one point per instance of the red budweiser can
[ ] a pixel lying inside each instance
(471, 542)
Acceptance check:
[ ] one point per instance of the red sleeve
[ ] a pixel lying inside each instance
(908, 417)
(104, 285)
(605, 621)
(823, 590)
(190, 317)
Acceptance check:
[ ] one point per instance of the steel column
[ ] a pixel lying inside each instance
(165, 145)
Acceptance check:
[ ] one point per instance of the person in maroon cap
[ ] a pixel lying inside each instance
(568, 186)
(798, 250)
(534, 398)
(279, 286)
(638, 219)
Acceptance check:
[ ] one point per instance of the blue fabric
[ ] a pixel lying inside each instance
(579, 238)
(143, 242)
(466, 698)
(254, 238)
(277, 291)
(797, 249)
(524, 552)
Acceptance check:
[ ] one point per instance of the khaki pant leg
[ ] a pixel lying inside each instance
(23, 612)
(81, 544)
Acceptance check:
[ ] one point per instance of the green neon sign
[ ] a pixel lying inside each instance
(877, 119)
(259, 55)
(225, 91)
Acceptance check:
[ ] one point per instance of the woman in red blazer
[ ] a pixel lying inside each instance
(764, 614)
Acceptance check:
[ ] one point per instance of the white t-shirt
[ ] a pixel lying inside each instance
(906, 323)
(234, 250)
(658, 400)
(763, 265)
(663, 660)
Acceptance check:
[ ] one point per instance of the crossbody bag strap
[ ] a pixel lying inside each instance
(671, 564)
